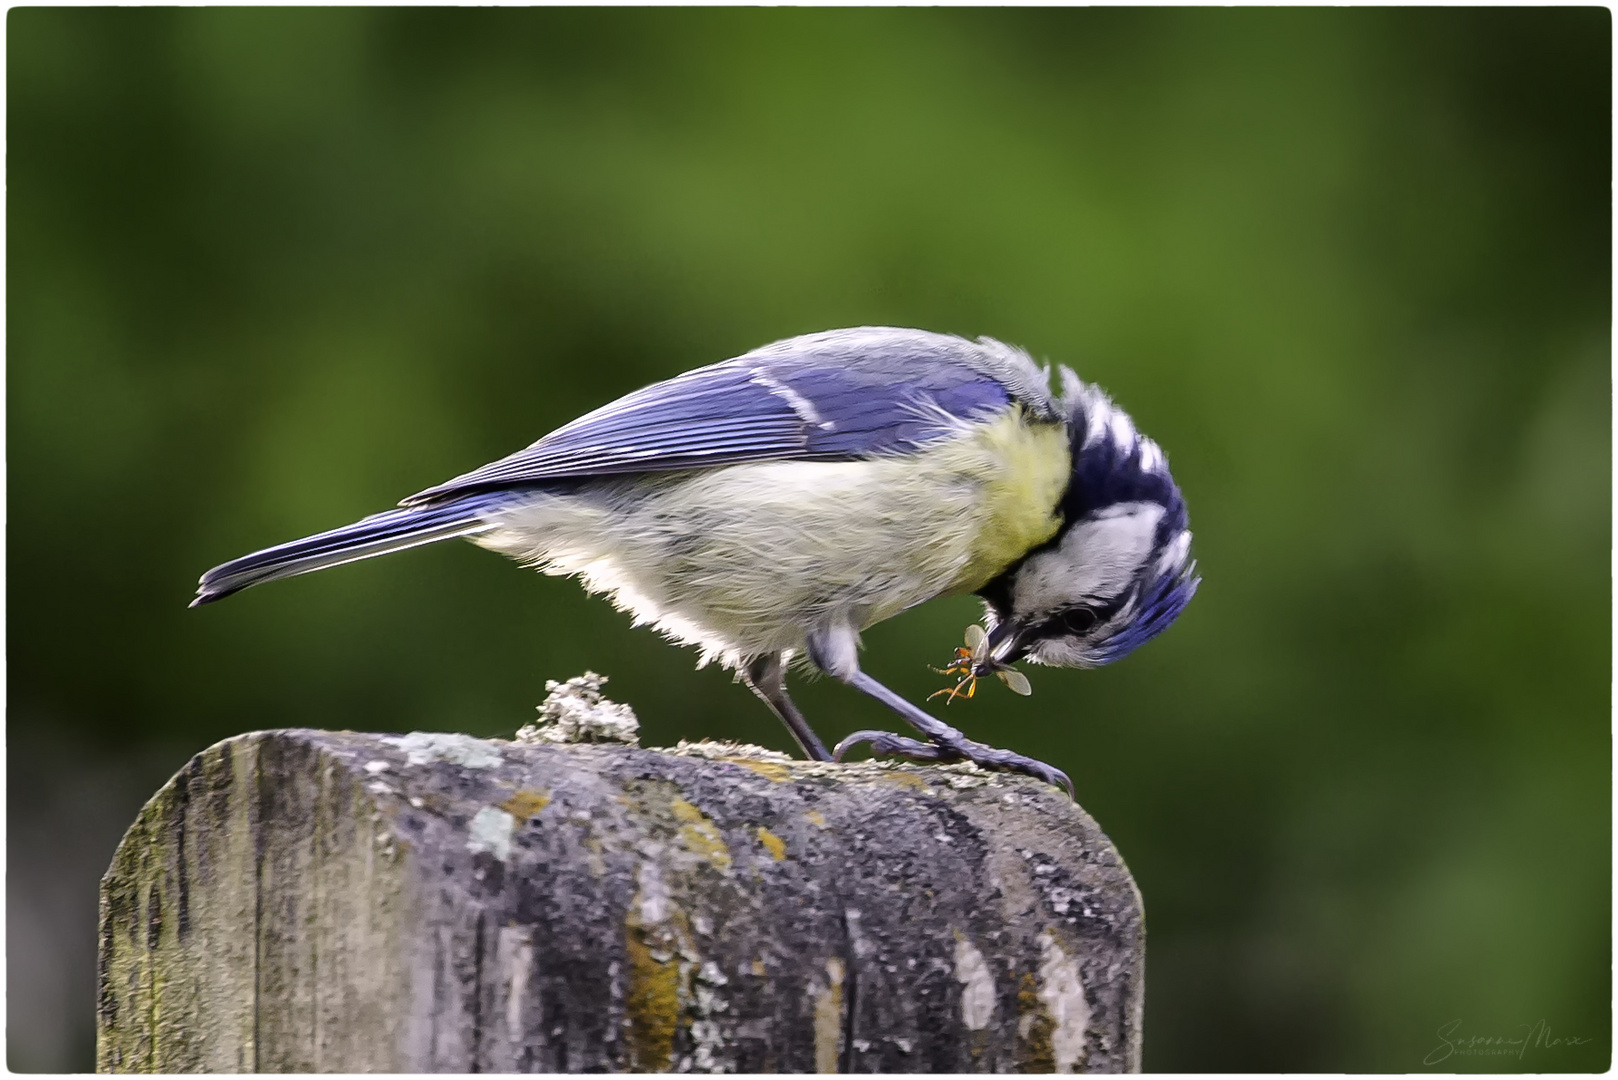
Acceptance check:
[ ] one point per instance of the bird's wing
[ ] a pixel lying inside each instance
(838, 395)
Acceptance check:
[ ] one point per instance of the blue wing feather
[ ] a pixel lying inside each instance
(834, 396)
(837, 395)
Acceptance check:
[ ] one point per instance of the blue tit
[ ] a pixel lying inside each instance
(769, 508)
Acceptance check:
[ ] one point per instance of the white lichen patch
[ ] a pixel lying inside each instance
(426, 747)
(958, 775)
(654, 899)
(707, 1034)
(977, 984)
(720, 750)
(708, 1048)
(963, 779)
(575, 712)
(515, 951)
(1062, 991)
(491, 831)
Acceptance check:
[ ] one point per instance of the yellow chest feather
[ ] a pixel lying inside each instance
(1023, 469)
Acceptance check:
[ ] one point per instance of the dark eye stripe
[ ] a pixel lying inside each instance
(1075, 621)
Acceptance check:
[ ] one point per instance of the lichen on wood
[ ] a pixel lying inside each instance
(324, 901)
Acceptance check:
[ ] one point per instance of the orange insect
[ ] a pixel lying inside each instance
(970, 660)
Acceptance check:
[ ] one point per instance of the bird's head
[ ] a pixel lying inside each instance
(1120, 569)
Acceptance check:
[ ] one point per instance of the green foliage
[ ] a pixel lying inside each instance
(270, 270)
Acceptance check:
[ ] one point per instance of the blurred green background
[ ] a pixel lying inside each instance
(270, 270)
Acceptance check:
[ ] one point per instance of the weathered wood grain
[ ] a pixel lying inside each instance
(324, 901)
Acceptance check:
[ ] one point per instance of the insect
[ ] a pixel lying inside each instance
(973, 662)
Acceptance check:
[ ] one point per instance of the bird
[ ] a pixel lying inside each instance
(768, 508)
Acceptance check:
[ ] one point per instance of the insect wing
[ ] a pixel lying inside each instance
(1016, 680)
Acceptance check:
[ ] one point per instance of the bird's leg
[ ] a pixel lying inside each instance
(947, 744)
(767, 677)
(833, 651)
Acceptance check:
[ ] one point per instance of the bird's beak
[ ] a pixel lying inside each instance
(1005, 647)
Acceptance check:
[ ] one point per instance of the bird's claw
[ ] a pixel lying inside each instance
(887, 744)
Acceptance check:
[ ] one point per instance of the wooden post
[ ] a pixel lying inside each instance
(334, 901)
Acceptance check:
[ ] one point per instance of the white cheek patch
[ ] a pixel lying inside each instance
(1096, 561)
(1061, 652)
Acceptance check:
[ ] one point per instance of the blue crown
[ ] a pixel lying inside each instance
(1114, 463)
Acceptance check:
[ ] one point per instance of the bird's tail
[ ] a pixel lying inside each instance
(379, 534)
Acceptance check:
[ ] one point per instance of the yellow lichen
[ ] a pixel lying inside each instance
(593, 849)
(777, 846)
(1034, 1028)
(905, 778)
(687, 812)
(770, 770)
(653, 1005)
(829, 1018)
(816, 817)
(701, 836)
(526, 803)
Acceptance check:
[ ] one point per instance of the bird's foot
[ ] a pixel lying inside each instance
(952, 748)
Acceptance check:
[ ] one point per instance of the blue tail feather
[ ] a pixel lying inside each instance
(379, 534)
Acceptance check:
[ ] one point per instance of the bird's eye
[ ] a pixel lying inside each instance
(1079, 620)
